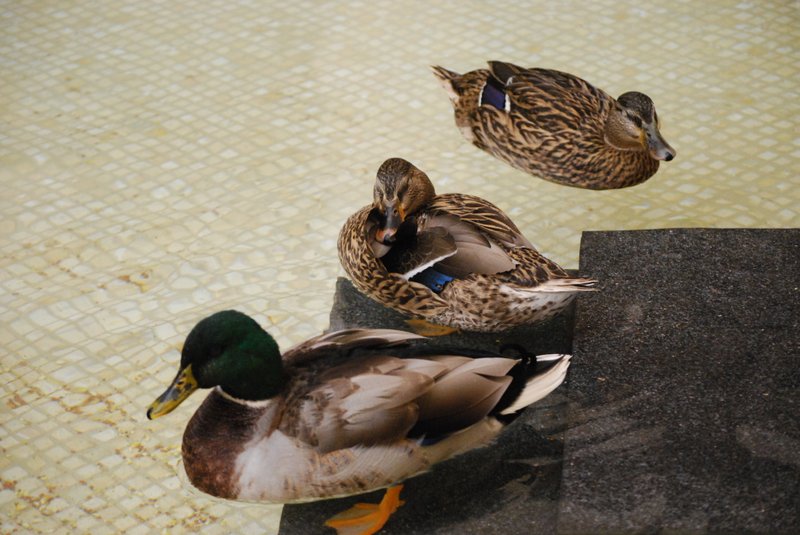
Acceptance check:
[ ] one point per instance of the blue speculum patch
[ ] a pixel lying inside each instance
(493, 94)
(435, 280)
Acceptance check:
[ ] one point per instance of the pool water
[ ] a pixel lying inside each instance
(161, 161)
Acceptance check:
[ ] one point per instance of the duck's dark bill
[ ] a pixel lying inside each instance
(658, 146)
(180, 389)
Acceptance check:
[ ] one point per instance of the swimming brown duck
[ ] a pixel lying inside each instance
(557, 126)
(342, 413)
(455, 260)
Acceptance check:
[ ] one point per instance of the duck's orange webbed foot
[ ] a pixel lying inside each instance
(426, 328)
(367, 518)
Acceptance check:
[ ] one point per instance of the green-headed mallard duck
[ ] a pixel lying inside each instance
(340, 414)
(452, 259)
(557, 126)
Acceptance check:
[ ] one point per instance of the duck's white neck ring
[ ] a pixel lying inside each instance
(257, 404)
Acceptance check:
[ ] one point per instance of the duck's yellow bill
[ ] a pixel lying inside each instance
(180, 389)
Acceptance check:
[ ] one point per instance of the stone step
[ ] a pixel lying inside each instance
(684, 392)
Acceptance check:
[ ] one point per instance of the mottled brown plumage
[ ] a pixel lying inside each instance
(499, 280)
(557, 126)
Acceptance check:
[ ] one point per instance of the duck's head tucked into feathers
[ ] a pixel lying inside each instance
(633, 125)
(230, 350)
(452, 259)
(400, 190)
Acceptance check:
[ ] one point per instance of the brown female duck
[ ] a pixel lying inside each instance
(557, 126)
(452, 259)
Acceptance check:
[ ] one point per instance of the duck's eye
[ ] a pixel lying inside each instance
(634, 119)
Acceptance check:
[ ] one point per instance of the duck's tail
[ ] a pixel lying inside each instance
(448, 80)
(538, 386)
(568, 284)
(444, 74)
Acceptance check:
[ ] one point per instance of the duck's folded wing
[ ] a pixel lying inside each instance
(475, 251)
(464, 395)
(384, 399)
(502, 71)
(346, 340)
(487, 217)
(363, 402)
(552, 100)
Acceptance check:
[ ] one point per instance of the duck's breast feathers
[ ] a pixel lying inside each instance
(216, 435)
(357, 238)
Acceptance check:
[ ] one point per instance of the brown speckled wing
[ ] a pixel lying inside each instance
(553, 101)
(480, 212)
(370, 276)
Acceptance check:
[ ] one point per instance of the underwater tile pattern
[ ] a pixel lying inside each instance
(163, 160)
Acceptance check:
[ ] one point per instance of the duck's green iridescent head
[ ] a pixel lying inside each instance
(227, 349)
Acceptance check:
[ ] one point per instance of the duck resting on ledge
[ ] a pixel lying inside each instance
(340, 414)
(454, 260)
(557, 126)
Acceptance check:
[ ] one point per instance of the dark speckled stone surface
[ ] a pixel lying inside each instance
(681, 413)
(684, 411)
(509, 487)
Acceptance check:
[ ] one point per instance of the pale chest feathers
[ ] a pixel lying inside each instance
(282, 469)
